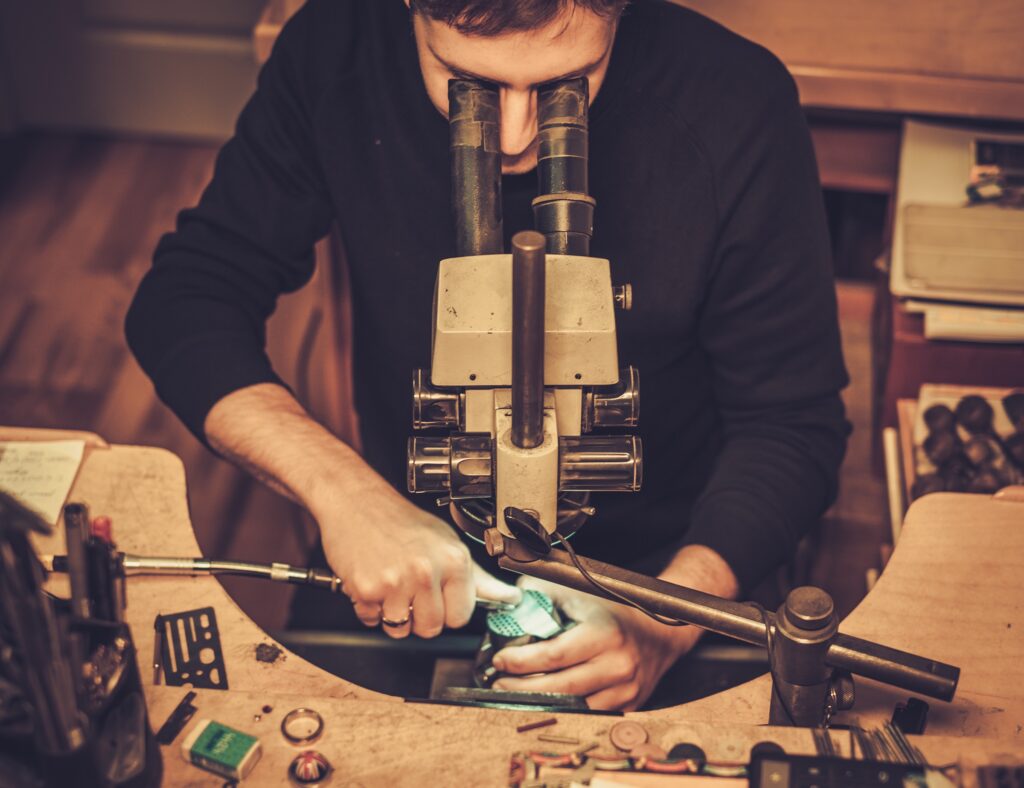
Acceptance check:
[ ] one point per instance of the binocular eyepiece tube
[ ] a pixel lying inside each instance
(564, 210)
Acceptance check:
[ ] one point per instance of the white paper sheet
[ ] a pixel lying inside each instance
(40, 473)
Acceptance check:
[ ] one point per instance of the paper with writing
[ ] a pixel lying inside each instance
(40, 473)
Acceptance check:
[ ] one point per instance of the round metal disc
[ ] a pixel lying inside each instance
(627, 734)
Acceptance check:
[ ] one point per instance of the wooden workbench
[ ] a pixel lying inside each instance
(951, 592)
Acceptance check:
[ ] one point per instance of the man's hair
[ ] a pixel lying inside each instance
(493, 17)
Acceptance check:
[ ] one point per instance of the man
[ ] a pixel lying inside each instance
(708, 204)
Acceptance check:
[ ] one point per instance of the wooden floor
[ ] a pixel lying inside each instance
(79, 218)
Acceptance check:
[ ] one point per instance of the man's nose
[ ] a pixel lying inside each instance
(518, 120)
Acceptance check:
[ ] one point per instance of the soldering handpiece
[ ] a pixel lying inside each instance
(132, 565)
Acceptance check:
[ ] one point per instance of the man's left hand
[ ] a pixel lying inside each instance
(614, 655)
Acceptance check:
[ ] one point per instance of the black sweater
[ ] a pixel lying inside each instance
(708, 203)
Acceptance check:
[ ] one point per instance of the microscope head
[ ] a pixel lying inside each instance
(524, 356)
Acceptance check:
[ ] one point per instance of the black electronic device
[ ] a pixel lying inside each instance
(778, 770)
(72, 709)
(996, 776)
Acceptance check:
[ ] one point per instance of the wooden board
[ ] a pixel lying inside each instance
(133, 486)
(951, 592)
(371, 743)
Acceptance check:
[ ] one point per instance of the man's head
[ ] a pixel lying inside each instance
(517, 45)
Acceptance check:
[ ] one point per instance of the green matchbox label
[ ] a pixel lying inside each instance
(223, 745)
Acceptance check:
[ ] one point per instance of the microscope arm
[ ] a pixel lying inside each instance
(738, 620)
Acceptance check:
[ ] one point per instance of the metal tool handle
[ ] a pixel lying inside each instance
(156, 565)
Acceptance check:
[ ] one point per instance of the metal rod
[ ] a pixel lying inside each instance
(741, 621)
(528, 291)
(891, 666)
(475, 148)
(706, 611)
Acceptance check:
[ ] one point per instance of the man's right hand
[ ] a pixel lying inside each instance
(395, 560)
(399, 563)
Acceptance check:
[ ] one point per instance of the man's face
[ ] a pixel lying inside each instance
(575, 44)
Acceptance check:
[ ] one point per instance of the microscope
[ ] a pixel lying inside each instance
(524, 369)
(524, 356)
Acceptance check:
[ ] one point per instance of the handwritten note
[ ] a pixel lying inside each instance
(40, 473)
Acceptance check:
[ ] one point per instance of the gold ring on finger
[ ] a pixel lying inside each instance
(396, 622)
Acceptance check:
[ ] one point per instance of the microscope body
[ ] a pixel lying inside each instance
(469, 390)
(524, 362)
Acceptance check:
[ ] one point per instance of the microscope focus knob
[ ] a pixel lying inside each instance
(428, 465)
(617, 405)
(623, 297)
(434, 407)
(460, 465)
(600, 463)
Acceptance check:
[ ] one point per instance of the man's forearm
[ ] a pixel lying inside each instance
(266, 431)
(701, 568)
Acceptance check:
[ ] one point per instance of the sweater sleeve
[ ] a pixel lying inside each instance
(197, 321)
(769, 328)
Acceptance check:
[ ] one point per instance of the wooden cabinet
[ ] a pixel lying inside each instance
(935, 57)
(182, 68)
